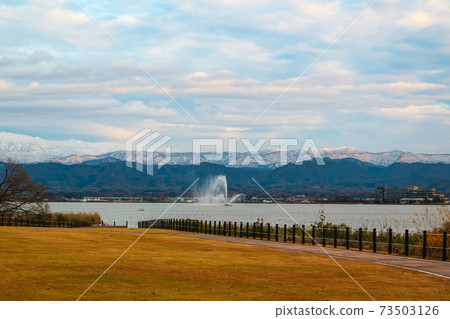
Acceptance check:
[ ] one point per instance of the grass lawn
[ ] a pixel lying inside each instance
(59, 264)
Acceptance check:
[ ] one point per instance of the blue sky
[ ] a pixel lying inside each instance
(383, 86)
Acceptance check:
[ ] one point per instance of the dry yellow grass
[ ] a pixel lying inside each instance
(59, 264)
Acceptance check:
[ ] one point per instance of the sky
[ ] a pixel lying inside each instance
(340, 72)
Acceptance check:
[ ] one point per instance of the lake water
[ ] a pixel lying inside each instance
(399, 217)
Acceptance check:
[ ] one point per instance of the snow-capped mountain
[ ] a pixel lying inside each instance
(272, 158)
(384, 158)
(27, 149)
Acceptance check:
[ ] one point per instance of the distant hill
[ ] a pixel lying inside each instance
(272, 158)
(28, 149)
(336, 177)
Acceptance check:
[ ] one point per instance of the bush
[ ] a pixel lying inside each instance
(77, 219)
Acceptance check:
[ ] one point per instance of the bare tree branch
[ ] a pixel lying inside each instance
(19, 195)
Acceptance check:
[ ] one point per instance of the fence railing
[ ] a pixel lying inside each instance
(421, 244)
(29, 222)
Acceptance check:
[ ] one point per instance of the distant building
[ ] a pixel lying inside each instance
(296, 198)
(412, 194)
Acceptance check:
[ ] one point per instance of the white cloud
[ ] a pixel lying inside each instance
(418, 112)
(402, 87)
(416, 20)
(40, 56)
(224, 61)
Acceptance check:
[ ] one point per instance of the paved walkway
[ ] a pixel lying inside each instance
(432, 267)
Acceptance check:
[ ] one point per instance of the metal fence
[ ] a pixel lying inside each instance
(421, 244)
(28, 222)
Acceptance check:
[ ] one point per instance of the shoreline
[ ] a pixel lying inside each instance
(280, 202)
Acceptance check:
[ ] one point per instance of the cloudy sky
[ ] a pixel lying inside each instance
(383, 85)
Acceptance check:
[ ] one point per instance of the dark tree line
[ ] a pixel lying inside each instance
(19, 195)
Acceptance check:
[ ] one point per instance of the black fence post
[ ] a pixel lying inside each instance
(276, 232)
(390, 242)
(303, 234)
(293, 234)
(9, 224)
(254, 230)
(314, 235)
(406, 243)
(374, 238)
(247, 229)
(323, 237)
(210, 228)
(424, 248)
(218, 231)
(235, 227)
(229, 228)
(335, 237)
(360, 239)
(285, 233)
(214, 227)
(444, 246)
(240, 230)
(268, 231)
(347, 238)
(261, 231)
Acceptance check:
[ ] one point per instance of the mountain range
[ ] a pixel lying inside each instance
(337, 177)
(27, 149)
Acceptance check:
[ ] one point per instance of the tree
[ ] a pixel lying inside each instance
(19, 195)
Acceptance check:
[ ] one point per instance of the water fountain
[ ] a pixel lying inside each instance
(215, 190)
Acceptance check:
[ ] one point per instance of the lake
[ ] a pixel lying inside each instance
(399, 217)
